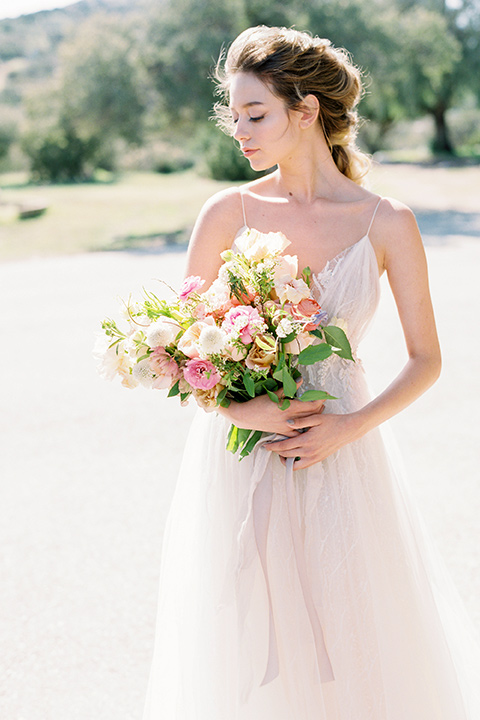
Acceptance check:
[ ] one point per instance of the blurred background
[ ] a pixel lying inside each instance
(107, 154)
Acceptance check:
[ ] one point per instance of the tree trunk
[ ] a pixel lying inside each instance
(441, 142)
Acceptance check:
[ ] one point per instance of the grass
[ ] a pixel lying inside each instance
(138, 209)
(144, 210)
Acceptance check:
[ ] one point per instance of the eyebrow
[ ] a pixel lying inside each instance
(249, 104)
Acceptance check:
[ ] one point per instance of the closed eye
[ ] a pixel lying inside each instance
(256, 119)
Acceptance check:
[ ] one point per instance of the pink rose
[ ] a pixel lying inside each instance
(164, 367)
(201, 374)
(190, 284)
(243, 321)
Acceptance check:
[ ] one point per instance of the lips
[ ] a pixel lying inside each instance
(249, 151)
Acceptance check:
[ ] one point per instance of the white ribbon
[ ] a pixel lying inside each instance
(261, 508)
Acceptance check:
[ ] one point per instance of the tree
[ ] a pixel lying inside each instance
(98, 98)
(183, 44)
(102, 87)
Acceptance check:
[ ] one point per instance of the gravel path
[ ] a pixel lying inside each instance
(88, 470)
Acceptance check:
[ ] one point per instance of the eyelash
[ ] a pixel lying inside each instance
(252, 119)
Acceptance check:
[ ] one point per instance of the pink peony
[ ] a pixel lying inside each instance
(164, 367)
(201, 374)
(243, 321)
(190, 284)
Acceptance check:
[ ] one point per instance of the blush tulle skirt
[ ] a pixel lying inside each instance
(398, 639)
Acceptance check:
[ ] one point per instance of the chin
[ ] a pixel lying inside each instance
(259, 166)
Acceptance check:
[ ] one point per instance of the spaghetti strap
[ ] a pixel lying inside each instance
(373, 217)
(243, 208)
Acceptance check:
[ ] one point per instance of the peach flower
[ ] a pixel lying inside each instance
(188, 343)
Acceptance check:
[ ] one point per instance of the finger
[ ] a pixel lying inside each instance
(282, 446)
(304, 421)
(303, 463)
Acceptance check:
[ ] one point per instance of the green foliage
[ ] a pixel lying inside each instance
(139, 70)
(60, 154)
(102, 89)
(8, 134)
(222, 158)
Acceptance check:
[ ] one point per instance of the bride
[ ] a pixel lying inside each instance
(337, 609)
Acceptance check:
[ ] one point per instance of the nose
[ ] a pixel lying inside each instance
(241, 132)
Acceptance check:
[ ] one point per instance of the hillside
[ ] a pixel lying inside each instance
(29, 44)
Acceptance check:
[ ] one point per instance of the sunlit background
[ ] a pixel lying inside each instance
(107, 154)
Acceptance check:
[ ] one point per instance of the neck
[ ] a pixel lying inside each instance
(311, 173)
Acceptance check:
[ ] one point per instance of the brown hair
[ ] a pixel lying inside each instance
(295, 65)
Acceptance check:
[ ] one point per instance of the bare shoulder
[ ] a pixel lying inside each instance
(395, 231)
(395, 219)
(217, 224)
(221, 215)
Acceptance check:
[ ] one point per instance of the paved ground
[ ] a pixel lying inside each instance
(88, 470)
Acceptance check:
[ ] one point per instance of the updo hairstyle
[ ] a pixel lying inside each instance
(295, 64)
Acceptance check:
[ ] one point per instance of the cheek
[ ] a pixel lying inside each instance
(278, 129)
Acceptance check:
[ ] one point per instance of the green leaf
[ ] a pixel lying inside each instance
(243, 435)
(221, 396)
(289, 384)
(184, 396)
(336, 337)
(174, 390)
(248, 447)
(285, 404)
(316, 395)
(314, 353)
(249, 384)
(272, 396)
(318, 333)
(288, 338)
(307, 275)
(232, 439)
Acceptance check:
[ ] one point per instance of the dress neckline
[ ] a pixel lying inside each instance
(329, 262)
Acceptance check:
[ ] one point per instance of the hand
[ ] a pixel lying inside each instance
(263, 414)
(317, 436)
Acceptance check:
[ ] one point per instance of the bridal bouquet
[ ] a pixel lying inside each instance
(244, 336)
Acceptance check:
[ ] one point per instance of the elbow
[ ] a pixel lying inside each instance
(435, 366)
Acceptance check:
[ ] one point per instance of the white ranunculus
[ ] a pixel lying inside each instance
(212, 340)
(162, 333)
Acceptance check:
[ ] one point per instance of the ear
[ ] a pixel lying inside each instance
(309, 110)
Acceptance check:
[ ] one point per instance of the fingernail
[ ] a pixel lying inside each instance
(291, 422)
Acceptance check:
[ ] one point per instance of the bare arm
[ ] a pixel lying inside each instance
(405, 263)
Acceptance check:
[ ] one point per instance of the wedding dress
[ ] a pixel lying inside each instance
(236, 636)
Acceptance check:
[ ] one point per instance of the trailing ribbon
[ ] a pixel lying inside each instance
(261, 508)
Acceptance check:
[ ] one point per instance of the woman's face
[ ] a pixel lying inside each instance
(262, 125)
